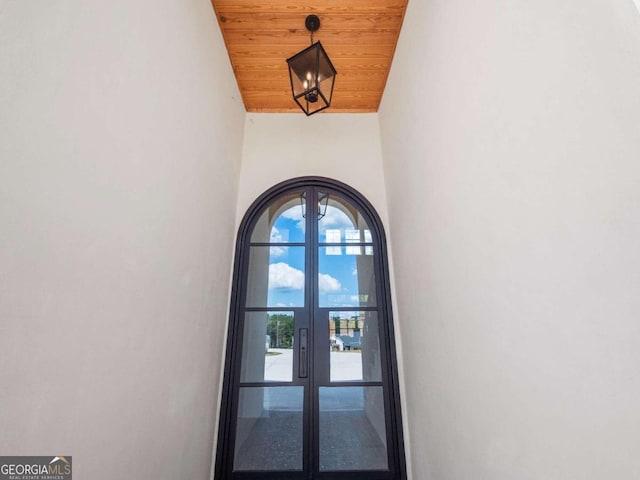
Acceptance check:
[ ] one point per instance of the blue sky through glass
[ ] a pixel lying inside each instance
(286, 277)
(338, 274)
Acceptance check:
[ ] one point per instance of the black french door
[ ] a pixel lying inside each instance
(310, 387)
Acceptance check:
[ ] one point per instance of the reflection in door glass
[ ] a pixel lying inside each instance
(269, 429)
(352, 429)
(341, 223)
(355, 347)
(267, 347)
(345, 280)
(276, 277)
(282, 221)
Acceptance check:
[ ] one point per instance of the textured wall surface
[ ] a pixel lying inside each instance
(119, 157)
(511, 140)
(345, 147)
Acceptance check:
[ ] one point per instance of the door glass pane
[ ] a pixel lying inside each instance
(355, 347)
(345, 279)
(267, 347)
(276, 277)
(269, 429)
(352, 429)
(282, 221)
(341, 222)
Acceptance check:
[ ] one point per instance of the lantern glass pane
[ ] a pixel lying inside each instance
(326, 87)
(312, 107)
(325, 69)
(297, 84)
(302, 68)
(326, 76)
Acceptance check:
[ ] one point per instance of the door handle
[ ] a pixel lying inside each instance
(303, 359)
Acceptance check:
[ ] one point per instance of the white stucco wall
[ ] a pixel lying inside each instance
(279, 147)
(511, 145)
(121, 132)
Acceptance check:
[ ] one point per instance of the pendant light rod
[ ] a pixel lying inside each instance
(312, 22)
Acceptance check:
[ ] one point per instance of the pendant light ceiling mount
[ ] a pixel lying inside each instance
(312, 74)
(312, 22)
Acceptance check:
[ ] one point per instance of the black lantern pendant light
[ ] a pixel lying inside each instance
(323, 201)
(312, 74)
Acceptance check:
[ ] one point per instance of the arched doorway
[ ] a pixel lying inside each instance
(310, 388)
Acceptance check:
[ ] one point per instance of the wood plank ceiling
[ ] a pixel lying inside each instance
(359, 36)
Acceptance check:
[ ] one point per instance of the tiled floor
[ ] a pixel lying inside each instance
(349, 443)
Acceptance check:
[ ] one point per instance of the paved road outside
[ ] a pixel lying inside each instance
(344, 365)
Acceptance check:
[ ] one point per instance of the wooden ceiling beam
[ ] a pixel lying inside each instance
(359, 36)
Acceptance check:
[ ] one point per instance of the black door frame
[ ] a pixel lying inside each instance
(225, 442)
